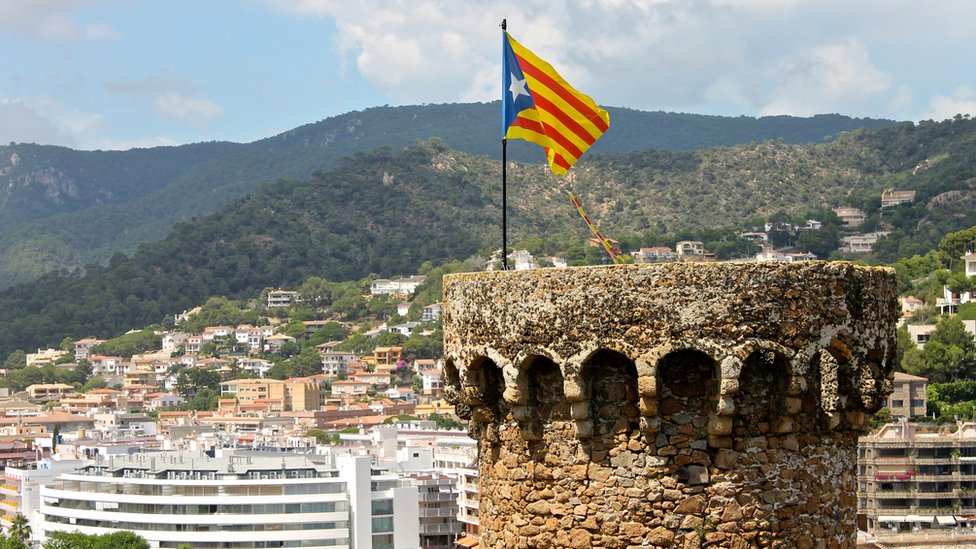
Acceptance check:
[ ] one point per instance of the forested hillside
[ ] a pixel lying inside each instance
(62, 209)
(389, 211)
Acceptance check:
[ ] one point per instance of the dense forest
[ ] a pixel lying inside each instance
(389, 211)
(61, 208)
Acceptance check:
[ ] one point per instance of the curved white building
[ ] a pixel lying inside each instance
(240, 502)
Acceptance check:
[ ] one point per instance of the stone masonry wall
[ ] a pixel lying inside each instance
(673, 405)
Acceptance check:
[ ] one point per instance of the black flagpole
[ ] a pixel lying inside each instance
(504, 180)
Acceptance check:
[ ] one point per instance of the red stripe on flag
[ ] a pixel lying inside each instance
(552, 133)
(561, 161)
(542, 103)
(567, 95)
(558, 137)
(533, 126)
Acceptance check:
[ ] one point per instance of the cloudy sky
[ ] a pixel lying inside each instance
(115, 74)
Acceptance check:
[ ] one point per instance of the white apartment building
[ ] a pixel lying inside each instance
(255, 366)
(243, 501)
(861, 243)
(83, 347)
(281, 298)
(335, 363)
(401, 286)
(21, 489)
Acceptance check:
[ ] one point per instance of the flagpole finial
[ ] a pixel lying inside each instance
(504, 24)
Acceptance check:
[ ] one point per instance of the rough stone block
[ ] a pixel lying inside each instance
(647, 386)
(719, 425)
(579, 410)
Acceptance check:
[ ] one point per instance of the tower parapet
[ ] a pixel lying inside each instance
(670, 405)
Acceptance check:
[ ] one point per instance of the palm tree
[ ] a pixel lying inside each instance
(20, 527)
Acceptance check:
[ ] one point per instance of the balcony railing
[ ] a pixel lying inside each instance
(435, 529)
(438, 512)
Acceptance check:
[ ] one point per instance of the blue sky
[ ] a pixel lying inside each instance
(115, 74)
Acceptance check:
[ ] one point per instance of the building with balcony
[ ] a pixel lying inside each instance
(861, 243)
(400, 286)
(336, 362)
(469, 502)
(44, 357)
(240, 500)
(44, 392)
(909, 397)
(891, 198)
(387, 358)
(83, 347)
(918, 484)
(653, 255)
(290, 395)
(851, 217)
(439, 525)
(20, 489)
(281, 298)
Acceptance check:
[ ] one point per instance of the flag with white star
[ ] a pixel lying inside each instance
(540, 107)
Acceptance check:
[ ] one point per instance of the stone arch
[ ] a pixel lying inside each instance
(452, 387)
(483, 389)
(873, 385)
(687, 390)
(544, 400)
(611, 403)
(762, 402)
(833, 373)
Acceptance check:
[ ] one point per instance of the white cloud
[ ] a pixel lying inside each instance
(23, 124)
(100, 31)
(187, 108)
(825, 79)
(760, 56)
(153, 85)
(124, 145)
(962, 100)
(52, 20)
(46, 121)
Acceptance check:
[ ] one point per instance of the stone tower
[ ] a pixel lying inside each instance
(672, 405)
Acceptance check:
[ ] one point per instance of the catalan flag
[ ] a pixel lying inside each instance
(540, 107)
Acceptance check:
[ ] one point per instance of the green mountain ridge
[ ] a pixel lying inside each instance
(389, 211)
(63, 209)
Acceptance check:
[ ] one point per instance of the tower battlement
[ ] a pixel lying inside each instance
(670, 405)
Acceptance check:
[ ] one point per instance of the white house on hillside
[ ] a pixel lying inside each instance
(402, 286)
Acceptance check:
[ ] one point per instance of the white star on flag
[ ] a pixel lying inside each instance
(517, 88)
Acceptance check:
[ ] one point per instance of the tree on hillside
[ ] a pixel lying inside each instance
(129, 344)
(949, 355)
(295, 329)
(822, 242)
(959, 283)
(16, 359)
(316, 291)
(306, 363)
(67, 344)
(350, 305)
(958, 243)
(331, 331)
(191, 380)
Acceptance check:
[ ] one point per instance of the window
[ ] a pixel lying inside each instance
(383, 524)
(382, 507)
(897, 403)
(918, 402)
